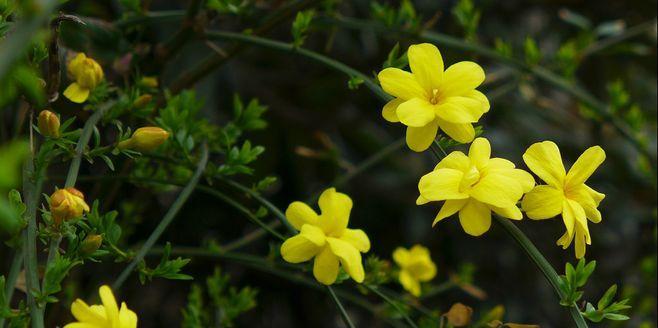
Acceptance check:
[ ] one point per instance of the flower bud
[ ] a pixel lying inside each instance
(67, 204)
(142, 100)
(149, 81)
(48, 123)
(145, 139)
(459, 315)
(90, 244)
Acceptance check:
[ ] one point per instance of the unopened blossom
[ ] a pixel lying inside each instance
(475, 185)
(565, 193)
(145, 139)
(429, 98)
(48, 123)
(66, 204)
(86, 74)
(325, 238)
(105, 315)
(416, 266)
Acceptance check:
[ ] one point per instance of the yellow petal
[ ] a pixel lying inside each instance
(583, 196)
(81, 325)
(544, 159)
(299, 214)
(422, 200)
(325, 267)
(401, 256)
(389, 110)
(512, 212)
(525, 179)
(357, 238)
(450, 207)
(82, 312)
(597, 196)
(336, 208)
(109, 303)
(479, 96)
(455, 160)
(480, 152)
(420, 138)
(475, 218)
(441, 184)
(304, 246)
(426, 64)
(565, 240)
(498, 164)
(461, 78)
(127, 318)
(543, 202)
(416, 112)
(75, 65)
(401, 84)
(460, 110)
(349, 257)
(585, 166)
(497, 190)
(463, 133)
(75, 93)
(409, 283)
(572, 214)
(580, 244)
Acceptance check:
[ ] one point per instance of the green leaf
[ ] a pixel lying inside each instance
(300, 26)
(607, 297)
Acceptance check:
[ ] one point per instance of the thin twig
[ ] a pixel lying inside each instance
(166, 220)
(346, 317)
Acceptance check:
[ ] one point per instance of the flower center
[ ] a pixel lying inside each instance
(471, 177)
(434, 99)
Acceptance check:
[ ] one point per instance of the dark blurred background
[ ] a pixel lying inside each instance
(319, 130)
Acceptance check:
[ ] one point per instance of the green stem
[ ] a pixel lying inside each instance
(343, 313)
(289, 48)
(543, 265)
(166, 220)
(392, 303)
(10, 283)
(275, 210)
(32, 184)
(165, 16)
(87, 131)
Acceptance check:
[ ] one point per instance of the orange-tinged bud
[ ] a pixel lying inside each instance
(67, 204)
(459, 315)
(48, 123)
(145, 139)
(142, 100)
(90, 244)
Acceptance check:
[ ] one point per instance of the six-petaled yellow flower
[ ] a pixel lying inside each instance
(107, 315)
(416, 266)
(68, 203)
(326, 238)
(565, 192)
(475, 185)
(86, 73)
(429, 98)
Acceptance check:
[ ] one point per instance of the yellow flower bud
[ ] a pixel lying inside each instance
(145, 139)
(149, 81)
(66, 204)
(90, 244)
(48, 124)
(86, 73)
(142, 100)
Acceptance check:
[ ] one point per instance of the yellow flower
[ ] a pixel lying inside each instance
(565, 193)
(108, 315)
(429, 98)
(87, 74)
(416, 266)
(326, 238)
(475, 185)
(66, 204)
(149, 81)
(145, 139)
(48, 123)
